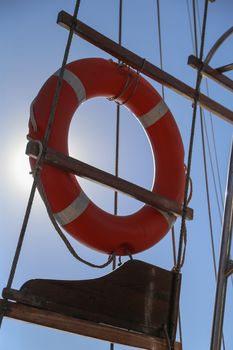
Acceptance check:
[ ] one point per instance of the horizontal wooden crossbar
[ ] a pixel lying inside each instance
(82, 169)
(90, 329)
(143, 66)
(225, 68)
(211, 73)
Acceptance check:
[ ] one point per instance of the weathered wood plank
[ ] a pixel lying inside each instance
(84, 170)
(139, 63)
(225, 68)
(82, 327)
(210, 72)
(136, 296)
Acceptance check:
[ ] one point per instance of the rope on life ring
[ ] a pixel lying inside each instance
(85, 79)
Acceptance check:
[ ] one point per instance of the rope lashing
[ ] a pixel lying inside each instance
(129, 84)
(39, 156)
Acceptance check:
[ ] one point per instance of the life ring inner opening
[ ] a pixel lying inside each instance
(96, 145)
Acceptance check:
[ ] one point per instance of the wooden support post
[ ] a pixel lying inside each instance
(90, 329)
(139, 63)
(82, 169)
(210, 72)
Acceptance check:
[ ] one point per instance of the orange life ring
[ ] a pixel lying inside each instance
(84, 79)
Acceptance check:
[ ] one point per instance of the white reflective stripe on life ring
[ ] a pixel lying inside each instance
(75, 83)
(156, 113)
(73, 211)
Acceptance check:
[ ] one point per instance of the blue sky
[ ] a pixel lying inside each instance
(32, 49)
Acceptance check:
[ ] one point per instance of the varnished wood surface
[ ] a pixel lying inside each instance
(139, 63)
(70, 324)
(210, 72)
(137, 296)
(55, 158)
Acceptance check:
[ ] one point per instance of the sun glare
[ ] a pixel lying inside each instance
(19, 169)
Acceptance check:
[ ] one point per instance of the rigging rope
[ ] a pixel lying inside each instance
(216, 157)
(38, 169)
(163, 95)
(160, 41)
(213, 136)
(212, 167)
(182, 243)
(209, 207)
(205, 164)
(63, 237)
(118, 116)
(207, 60)
(204, 153)
(214, 141)
(190, 21)
(208, 193)
(117, 136)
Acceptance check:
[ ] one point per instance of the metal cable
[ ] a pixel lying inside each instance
(216, 159)
(60, 79)
(195, 28)
(213, 135)
(118, 116)
(23, 229)
(117, 136)
(181, 252)
(190, 21)
(174, 262)
(163, 95)
(38, 169)
(202, 122)
(212, 166)
(207, 193)
(209, 208)
(209, 57)
(173, 245)
(207, 187)
(204, 154)
(160, 41)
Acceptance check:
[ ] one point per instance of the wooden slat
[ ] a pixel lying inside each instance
(225, 68)
(211, 73)
(136, 296)
(139, 63)
(82, 169)
(86, 328)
